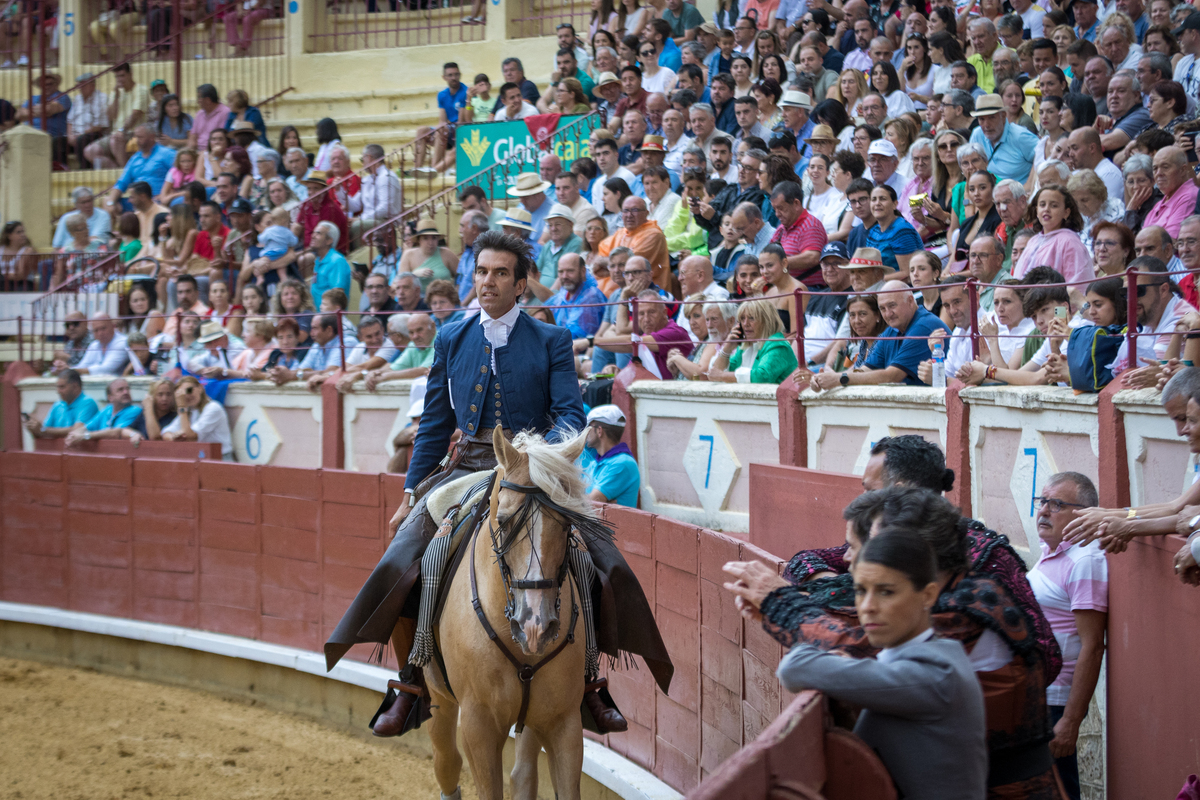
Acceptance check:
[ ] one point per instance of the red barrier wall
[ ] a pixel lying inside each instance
(795, 509)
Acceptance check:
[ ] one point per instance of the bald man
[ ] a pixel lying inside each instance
(107, 354)
(78, 338)
(1084, 151)
(696, 277)
(1153, 240)
(892, 359)
(1173, 177)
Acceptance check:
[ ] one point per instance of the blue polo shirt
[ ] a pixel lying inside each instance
(332, 272)
(64, 415)
(125, 418)
(906, 354)
(670, 57)
(152, 168)
(615, 474)
(901, 238)
(1012, 156)
(451, 103)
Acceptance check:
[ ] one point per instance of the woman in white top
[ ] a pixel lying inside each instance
(200, 419)
(654, 77)
(633, 20)
(885, 81)
(328, 137)
(741, 69)
(944, 50)
(841, 172)
(825, 203)
(918, 72)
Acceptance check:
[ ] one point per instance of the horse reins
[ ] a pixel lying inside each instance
(525, 672)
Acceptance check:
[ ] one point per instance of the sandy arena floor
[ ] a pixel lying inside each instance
(77, 734)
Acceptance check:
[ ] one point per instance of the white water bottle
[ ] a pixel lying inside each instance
(939, 367)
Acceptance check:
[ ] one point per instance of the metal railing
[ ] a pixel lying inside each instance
(343, 25)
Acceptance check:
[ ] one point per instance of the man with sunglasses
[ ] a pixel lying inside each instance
(1070, 582)
(1160, 307)
(78, 338)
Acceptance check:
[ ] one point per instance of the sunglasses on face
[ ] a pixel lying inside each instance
(1141, 290)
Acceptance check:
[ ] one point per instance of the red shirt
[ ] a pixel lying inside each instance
(329, 211)
(204, 244)
(1188, 287)
(806, 233)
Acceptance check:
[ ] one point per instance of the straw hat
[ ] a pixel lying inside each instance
(427, 227)
(607, 78)
(866, 258)
(528, 183)
(210, 332)
(518, 218)
(316, 176)
(796, 100)
(243, 126)
(822, 133)
(654, 144)
(987, 105)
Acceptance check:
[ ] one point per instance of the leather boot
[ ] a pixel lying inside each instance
(408, 710)
(608, 718)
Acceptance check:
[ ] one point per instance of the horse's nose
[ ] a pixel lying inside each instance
(533, 630)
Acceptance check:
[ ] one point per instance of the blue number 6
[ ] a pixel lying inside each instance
(254, 449)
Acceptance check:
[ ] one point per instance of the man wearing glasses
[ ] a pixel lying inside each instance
(643, 236)
(744, 31)
(75, 328)
(985, 260)
(1070, 582)
(1159, 309)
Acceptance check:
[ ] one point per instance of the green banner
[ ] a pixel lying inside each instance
(492, 154)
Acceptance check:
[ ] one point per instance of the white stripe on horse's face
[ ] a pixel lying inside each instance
(538, 556)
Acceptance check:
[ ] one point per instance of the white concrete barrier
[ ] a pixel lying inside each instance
(370, 421)
(845, 423)
(1160, 464)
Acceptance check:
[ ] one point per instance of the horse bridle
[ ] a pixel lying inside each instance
(534, 495)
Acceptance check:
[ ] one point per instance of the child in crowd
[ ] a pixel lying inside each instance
(479, 101)
(130, 231)
(175, 187)
(275, 239)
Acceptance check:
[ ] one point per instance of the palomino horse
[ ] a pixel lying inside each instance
(521, 543)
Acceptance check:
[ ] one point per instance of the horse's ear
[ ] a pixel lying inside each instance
(506, 454)
(571, 450)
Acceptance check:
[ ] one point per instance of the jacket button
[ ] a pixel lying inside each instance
(478, 388)
(497, 405)
(487, 350)
(483, 368)
(497, 395)
(470, 426)
(472, 408)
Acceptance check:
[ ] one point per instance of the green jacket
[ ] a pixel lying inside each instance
(775, 360)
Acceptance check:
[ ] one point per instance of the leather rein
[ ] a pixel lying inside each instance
(525, 672)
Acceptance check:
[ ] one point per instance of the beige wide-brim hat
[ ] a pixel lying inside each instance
(987, 105)
(518, 218)
(865, 258)
(822, 133)
(427, 227)
(210, 332)
(528, 183)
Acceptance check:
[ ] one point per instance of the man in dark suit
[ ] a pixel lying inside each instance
(502, 368)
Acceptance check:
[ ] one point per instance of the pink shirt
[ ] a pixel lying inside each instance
(915, 186)
(203, 124)
(1171, 211)
(1061, 249)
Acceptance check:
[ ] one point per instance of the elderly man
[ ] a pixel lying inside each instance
(873, 109)
(1085, 151)
(608, 88)
(73, 408)
(560, 226)
(983, 36)
(1126, 116)
(381, 196)
(675, 140)
(1114, 45)
(1173, 177)
(579, 305)
(633, 132)
(321, 207)
(696, 277)
(1189, 257)
(128, 108)
(801, 234)
(964, 77)
(149, 163)
(298, 171)
(795, 107)
(883, 160)
(330, 268)
(99, 223)
(1153, 240)
(1009, 147)
(660, 335)
(1097, 73)
(117, 420)
(378, 299)
(323, 357)
(221, 351)
(748, 221)
(549, 168)
(107, 354)
(1011, 202)
(957, 106)
(704, 126)
(87, 121)
(956, 304)
(921, 155)
(985, 260)
(892, 359)
(1070, 582)
(416, 359)
(645, 238)
(78, 339)
(407, 290)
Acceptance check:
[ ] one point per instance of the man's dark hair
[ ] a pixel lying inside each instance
(1039, 296)
(1043, 274)
(506, 243)
(605, 144)
(326, 321)
(955, 280)
(632, 68)
(692, 71)
(210, 204)
(209, 91)
(938, 521)
(726, 79)
(1044, 44)
(585, 167)
(566, 51)
(745, 100)
(196, 191)
(972, 73)
(713, 186)
(187, 279)
(449, 65)
(659, 172)
(1147, 264)
(960, 98)
(859, 185)
(783, 139)
(1083, 48)
(232, 178)
(756, 143)
(913, 461)
(71, 377)
(512, 60)
(472, 191)
(721, 139)
(662, 27)
(567, 175)
(1010, 24)
(684, 97)
(141, 187)
(368, 320)
(504, 89)
(788, 192)
(123, 67)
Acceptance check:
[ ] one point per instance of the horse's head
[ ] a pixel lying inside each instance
(531, 536)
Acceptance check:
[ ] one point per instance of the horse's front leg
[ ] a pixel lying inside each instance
(525, 770)
(485, 740)
(564, 747)
(443, 733)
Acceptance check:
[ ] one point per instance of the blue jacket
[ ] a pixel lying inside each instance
(254, 116)
(538, 388)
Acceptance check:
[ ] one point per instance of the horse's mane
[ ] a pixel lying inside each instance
(551, 471)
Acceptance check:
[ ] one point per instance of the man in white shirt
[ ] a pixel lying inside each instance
(675, 140)
(566, 189)
(99, 222)
(379, 199)
(1186, 72)
(87, 120)
(883, 160)
(1085, 151)
(953, 292)
(221, 349)
(108, 353)
(1159, 308)
(660, 200)
(515, 106)
(721, 156)
(696, 277)
(604, 152)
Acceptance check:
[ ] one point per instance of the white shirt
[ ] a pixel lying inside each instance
(496, 331)
(598, 189)
(958, 351)
(713, 293)
(889, 654)
(221, 357)
(1187, 74)
(527, 110)
(380, 196)
(1150, 344)
(662, 81)
(1114, 181)
(662, 211)
(107, 359)
(827, 207)
(1024, 329)
(730, 176)
(1131, 60)
(387, 351)
(674, 158)
(88, 113)
(210, 425)
(1032, 18)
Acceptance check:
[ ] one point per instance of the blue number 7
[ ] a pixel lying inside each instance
(1032, 451)
(708, 469)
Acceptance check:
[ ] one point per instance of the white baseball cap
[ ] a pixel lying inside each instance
(882, 147)
(608, 415)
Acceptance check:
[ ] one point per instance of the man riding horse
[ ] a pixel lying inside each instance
(507, 370)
